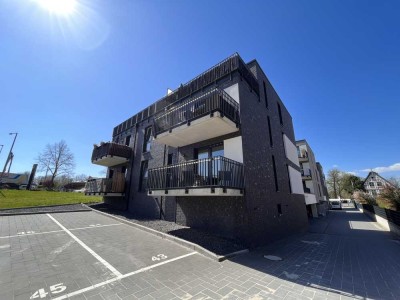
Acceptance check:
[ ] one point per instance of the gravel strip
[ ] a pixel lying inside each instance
(218, 245)
(43, 209)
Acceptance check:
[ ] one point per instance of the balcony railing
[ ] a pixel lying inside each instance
(192, 109)
(207, 78)
(110, 150)
(201, 173)
(106, 185)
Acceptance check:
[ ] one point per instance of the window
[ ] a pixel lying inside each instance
(270, 132)
(290, 184)
(379, 183)
(144, 173)
(110, 173)
(265, 94)
(275, 174)
(127, 140)
(147, 139)
(279, 206)
(207, 168)
(371, 183)
(280, 113)
(169, 160)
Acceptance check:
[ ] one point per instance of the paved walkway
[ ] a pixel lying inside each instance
(86, 255)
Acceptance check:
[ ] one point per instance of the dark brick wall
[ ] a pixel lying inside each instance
(116, 202)
(219, 215)
(265, 224)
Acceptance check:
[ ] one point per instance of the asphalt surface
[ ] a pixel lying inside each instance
(85, 255)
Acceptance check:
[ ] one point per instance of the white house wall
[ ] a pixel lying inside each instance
(295, 181)
(291, 150)
(233, 149)
(233, 91)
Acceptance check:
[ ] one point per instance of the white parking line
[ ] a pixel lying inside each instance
(78, 292)
(45, 232)
(98, 257)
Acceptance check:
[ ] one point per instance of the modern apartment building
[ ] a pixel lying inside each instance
(216, 154)
(313, 178)
(375, 183)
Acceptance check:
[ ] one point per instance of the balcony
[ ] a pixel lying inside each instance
(106, 186)
(217, 176)
(193, 120)
(303, 155)
(111, 154)
(306, 174)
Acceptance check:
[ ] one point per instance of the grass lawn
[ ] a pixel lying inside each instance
(18, 198)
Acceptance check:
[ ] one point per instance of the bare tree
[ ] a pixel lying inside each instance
(335, 182)
(57, 160)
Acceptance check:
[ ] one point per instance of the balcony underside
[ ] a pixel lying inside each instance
(218, 191)
(303, 159)
(110, 161)
(306, 177)
(201, 129)
(104, 194)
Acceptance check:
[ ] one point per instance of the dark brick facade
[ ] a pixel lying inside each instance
(252, 218)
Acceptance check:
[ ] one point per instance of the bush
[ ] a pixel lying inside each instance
(364, 198)
(389, 198)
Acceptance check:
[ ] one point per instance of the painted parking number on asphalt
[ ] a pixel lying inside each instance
(159, 257)
(54, 289)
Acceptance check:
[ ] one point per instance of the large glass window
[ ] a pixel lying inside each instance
(207, 169)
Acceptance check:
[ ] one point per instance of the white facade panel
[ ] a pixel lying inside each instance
(310, 198)
(295, 181)
(233, 91)
(291, 150)
(233, 149)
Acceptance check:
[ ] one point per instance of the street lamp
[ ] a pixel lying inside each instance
(10, 155)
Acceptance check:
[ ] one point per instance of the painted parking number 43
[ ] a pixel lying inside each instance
(159, 257)
(54, 289)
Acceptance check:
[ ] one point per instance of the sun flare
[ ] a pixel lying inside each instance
(60, 7)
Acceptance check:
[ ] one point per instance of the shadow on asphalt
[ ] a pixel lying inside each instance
(348, 256)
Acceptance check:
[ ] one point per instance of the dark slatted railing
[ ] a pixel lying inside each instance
(220, 70)
(194, 108)
(106, 185)
(209, 172)
(112, 149)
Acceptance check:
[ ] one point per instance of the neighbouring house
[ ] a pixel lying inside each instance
(315, 190)
(216, 154)
(375, 183)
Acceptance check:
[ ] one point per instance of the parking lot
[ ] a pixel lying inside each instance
(69, 254)
(87, 255)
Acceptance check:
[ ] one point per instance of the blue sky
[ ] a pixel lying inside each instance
(335, 65)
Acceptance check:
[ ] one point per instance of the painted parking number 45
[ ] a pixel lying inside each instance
(159, 257)
(54, 289)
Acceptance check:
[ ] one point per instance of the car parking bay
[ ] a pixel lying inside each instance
(61, 255)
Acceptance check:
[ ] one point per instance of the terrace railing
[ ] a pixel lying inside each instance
(112, 149)
(106, 185)
(194, 108)
(209, 172)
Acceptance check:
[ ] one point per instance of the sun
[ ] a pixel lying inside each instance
(59, 7)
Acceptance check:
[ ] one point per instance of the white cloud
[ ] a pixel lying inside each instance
(352, 173)
(392, 168)
(335, 166)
